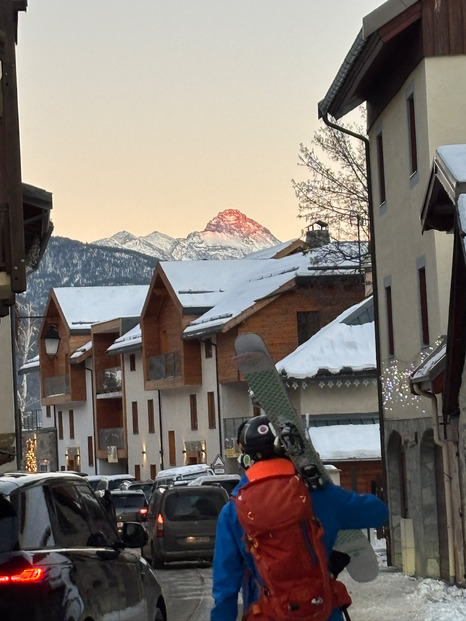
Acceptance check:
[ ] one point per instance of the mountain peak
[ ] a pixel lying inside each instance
(234, 222)
(230, 235)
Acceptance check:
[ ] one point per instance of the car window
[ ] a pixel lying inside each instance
(70, 520)
(34, 527)
(98, 519)
(193, 506)
(8, 526)
(121, 501)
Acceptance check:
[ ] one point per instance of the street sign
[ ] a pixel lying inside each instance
(218, 465)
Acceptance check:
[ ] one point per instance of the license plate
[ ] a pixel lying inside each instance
(194, 540)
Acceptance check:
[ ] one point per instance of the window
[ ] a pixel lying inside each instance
(60, 425)
(150, 415)
(71, 421)
(48, 411)
(211, 409)
(137, 472)
(308, 325)
(412, 134)
(193, 411)
(153, 471)
(423, 304)
(208, 348)
(391, 340)
(34, 528)
(171, 448)
(134, 408)
(132, 362)
(381, 168)
(90, 451)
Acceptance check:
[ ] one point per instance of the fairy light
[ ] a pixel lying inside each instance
(31, 461)
(396, 387)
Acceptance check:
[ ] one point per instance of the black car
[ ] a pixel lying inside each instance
(129, 505)
(61, 558)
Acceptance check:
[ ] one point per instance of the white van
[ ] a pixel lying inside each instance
(101, 482)
(180, 475)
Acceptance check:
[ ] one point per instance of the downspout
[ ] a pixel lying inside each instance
(375, 295)
(219, 414)
(160, 428)
(443, 444)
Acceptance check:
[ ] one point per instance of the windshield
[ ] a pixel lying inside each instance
(193, 506)
(121, 501)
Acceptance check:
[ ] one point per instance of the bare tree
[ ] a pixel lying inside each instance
(336, 191)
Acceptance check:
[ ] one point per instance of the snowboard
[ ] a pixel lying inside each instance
(256, 365)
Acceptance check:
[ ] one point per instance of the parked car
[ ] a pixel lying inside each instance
(129, 505)
(145, 486)
(101, 482)
(181, 523)
(61, 558)
(227, 481)
(180, 475)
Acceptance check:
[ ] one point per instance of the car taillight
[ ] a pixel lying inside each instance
(32, 574)
(143, 513)
(159, 524)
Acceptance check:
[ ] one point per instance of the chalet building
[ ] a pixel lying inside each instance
(188, 334)
(332, 381)
(406, 65)
(81, 386)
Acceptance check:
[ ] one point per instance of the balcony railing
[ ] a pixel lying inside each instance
(56, 385)
(108, 380)
(111, 436)
(165, 366)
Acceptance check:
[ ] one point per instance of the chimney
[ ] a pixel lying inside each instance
(317, 234)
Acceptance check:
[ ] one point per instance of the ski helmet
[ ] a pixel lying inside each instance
(257, 439)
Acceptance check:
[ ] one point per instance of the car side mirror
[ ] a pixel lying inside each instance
(133, 535)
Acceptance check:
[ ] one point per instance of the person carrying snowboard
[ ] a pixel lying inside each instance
(275, 536)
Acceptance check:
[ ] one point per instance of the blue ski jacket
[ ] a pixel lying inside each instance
(233, 566)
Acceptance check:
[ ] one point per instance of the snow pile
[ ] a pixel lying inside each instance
(444, 603)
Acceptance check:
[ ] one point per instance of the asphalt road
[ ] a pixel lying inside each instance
(187, 590)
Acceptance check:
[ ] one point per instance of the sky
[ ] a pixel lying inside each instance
(151, 115)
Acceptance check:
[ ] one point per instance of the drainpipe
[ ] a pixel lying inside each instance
(219, 414)
(443, 444)
(160, 428)
(375, 295)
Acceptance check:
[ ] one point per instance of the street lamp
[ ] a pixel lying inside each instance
(52, 341)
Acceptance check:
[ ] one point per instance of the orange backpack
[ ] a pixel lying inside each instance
(285, 540)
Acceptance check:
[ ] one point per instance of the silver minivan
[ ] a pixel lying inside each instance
(181, 523)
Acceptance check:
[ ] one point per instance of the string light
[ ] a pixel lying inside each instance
(396, 386)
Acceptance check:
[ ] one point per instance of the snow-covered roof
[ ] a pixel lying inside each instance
(248, 281)
(81, 351)
(84, 306)
(30, 365)
(202, 284)
(344, 442)
(130, 341)
(454, 156)
(348, 342)
(272, 251)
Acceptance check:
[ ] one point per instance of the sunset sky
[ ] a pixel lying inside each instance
(151, 115)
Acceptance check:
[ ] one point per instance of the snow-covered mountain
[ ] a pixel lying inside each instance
(230, 235)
